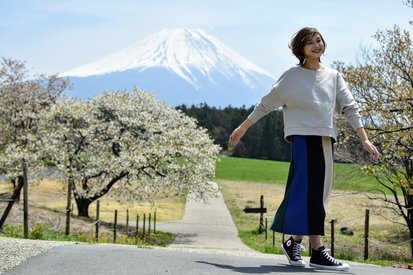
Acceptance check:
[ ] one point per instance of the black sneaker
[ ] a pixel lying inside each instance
(292, 249)
(321, 259)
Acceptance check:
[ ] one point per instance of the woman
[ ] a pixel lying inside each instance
(310, 95)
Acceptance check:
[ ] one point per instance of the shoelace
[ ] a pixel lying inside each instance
(329, 257)
(297, 247)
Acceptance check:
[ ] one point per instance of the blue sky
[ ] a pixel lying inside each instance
(54, 36)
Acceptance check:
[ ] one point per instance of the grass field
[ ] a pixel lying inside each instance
(346, 176)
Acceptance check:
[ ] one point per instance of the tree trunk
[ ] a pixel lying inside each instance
(83, 203)
(14, 197)
(83, 206)
(16, 183)
(19, 181)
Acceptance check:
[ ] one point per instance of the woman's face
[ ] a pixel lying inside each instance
(314, 48)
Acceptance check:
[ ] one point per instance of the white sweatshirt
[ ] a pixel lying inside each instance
(310, 99)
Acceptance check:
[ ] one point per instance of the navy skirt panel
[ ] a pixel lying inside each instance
(303, 209)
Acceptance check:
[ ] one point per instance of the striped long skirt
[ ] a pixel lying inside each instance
(303, 209)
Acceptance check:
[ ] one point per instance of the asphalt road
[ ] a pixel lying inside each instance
(117, 259)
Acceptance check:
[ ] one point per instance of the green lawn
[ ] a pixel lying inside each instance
(346, 176)
(251, 170)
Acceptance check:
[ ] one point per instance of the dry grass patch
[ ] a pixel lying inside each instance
(51, 194)
(346, 207)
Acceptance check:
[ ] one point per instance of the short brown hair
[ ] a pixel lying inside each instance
(300, 39)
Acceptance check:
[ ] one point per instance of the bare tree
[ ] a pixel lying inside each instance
(383, 85)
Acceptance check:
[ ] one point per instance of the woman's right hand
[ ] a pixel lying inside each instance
(236, 135)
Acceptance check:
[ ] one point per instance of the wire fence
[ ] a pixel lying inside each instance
(145, 223)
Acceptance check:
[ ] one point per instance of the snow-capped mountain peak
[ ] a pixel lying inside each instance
(184, 52)
(182, 66)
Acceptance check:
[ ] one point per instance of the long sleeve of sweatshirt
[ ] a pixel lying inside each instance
(310, 99)
(346, 105)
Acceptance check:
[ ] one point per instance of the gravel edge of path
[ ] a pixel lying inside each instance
(14, 251)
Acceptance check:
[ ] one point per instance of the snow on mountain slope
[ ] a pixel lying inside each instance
(195, 59)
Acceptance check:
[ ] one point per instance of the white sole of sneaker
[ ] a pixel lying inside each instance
(340, 267)
(299, 264)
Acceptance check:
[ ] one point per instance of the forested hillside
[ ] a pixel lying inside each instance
(264, 140)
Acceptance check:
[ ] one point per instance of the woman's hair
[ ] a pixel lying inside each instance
(300, 39)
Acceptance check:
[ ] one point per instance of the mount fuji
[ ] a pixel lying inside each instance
(182, 66)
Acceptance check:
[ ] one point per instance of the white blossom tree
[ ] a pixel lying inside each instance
(22, 103)
(129, 144)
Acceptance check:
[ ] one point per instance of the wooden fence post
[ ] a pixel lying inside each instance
(137, 229)
(127, 221)
(366, 235)
(115, 225)
(332, 237)
(137, 225)
(144, 224)
(266, 229)
(273, 238)
(97, 222)
(25, 200)
(149, 224)
(261, 214)
(154, 222)
(261, 210)
(69, 204)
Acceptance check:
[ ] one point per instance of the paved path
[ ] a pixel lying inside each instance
(207, 243)
(205, 226)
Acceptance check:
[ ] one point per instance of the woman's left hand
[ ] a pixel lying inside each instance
(369, 147)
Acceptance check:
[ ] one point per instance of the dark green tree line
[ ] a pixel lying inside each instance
(265, 140)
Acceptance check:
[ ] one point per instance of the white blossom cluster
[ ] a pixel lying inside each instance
(22, 105)
(131, 144)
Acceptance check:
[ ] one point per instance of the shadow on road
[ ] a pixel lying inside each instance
(267, 269)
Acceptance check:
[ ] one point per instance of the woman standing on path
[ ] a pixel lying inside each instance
(310, 95)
